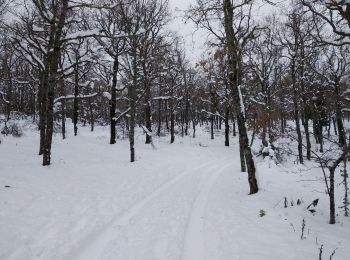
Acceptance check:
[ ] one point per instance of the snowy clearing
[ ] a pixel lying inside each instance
(185, 201)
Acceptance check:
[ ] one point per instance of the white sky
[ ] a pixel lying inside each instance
(195, 39)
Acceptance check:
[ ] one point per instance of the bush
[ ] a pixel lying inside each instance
(16, 130)
(12, 128)
(6, 130)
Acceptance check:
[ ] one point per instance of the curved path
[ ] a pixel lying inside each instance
(167, 224)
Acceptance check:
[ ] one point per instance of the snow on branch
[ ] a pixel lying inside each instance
(72, 97)
(148, 132)
(116, 119)
(2, 94)
(212, 114)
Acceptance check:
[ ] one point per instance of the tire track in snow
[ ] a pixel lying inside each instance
(194, 248)
(94, 244)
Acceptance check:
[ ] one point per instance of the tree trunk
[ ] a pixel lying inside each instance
(42, 109)
(234, 62)
(76, 104)
(227, 127)
(296, 114)
(307, 136)
(159, 117)
(172, 127)
(234, 132)
(63, 120)
(49, 124)
(148, 114)
(113, 101)
(339, 119)
(331, 197)
(212, 127)
(132, 100)
(91, 112)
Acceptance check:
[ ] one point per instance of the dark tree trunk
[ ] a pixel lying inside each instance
(63, 120)
(263, 137)
(235, 69)
(132, 100)
(307, 136)
(76, 104)
(212, 127)
(194, 127)
(234, 132)
(42, 109)
(148, 115)
(339, 119)
(49, 124)
(91, 112)
(227, 127)
(166, 116)
(334, 126)
(186, 116)
(113, 101)
(296, 114)
(172, 127)
(54, 54)
(331, 197)
(159, 117)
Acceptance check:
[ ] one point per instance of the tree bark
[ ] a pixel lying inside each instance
(234, 67)
(76, 94)
(227, 126)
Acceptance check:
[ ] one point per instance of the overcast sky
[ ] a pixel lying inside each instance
(195, 39)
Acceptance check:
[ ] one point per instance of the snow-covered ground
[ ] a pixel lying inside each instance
(185, 201)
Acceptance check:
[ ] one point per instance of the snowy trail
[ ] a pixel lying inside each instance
(95, 244)
(184, 205)
(195, 237)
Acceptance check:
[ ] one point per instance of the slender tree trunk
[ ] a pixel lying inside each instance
(76, 104)
(212, 127)
(304, 110)
(42, 110)
(227, 127)
(331, 197)
(307, 136)
(113, 101)
(234, 67)
(148, 114)
(49, 123)
(296, 114)
(132, 100)
(92, 121)
(159, 117)
(263, 137)
(186, 116)
(234, 132)
(339, 119)
(194, 127)
(172, 127)
(63, 120)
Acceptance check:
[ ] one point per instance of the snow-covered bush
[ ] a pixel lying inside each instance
(5, 130)
(12, 128)
(16, 130)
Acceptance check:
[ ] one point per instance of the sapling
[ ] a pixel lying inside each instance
(346, 190)
(320, 254)
(262, 213)
(333, 253)
(303, 229)
(285, 202)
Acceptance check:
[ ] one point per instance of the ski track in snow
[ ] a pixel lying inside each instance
(195, 237)
(185, 205)
(94, 245)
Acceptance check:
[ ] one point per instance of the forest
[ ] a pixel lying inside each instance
(271, 86)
